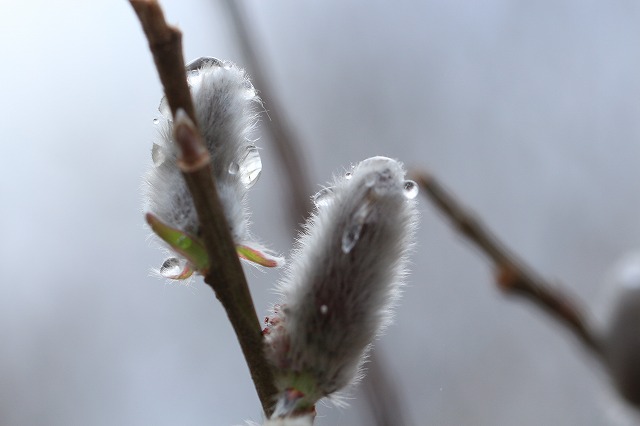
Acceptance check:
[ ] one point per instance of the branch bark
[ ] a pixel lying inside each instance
(225, 275)
(512, 275)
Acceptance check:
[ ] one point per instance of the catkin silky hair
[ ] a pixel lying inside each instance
(342, 282)
(226, 106)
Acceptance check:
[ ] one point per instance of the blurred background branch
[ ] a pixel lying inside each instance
(513, 276)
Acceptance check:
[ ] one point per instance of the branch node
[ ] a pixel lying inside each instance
(193, 153)
(512, 275)
(506, 278)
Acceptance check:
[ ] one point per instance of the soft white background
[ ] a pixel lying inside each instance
(529, 111)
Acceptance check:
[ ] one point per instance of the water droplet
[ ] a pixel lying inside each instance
(350, 237)
(250, 94)
(353, 230)
(249, 90)
(410, 189)
(157, 155)
(324, 309)
(156, 121)
(234, 168)
(250, 166)
(176, 269)
(194, 69)
(323, 197)
(201, 62)
(164, 109)
(170, 267)
(194, 78)
(348, 175)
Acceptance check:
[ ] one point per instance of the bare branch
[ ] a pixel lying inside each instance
(225, 273)
(512, 275)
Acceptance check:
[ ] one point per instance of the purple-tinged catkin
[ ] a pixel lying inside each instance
(342, 282)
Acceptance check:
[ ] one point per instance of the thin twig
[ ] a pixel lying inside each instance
(512, 275)
(225, 273)
(282, 134)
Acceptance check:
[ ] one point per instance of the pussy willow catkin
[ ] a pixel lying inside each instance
(342, 282)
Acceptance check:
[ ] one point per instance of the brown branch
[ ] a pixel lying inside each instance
(282, 135)
(512, 275)
(225, 273)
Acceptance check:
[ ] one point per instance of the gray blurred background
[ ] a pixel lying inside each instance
(529, 111)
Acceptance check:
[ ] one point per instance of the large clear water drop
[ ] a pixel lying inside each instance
(194, 78)
(157, 155)
(201, 62)
(165, 109)
(234, 168)
(410, 189)
(250, 166)
(323, 197)
(353, 230)
(194, 69)
(249, 90)
(175, 269)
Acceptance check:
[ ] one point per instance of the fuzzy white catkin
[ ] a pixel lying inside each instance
(343, 280)
(225, 104)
